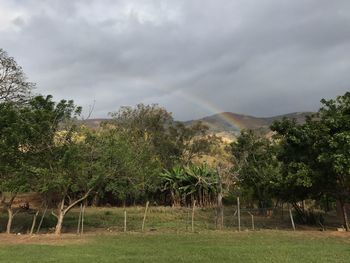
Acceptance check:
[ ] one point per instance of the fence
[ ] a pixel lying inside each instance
(180, 219)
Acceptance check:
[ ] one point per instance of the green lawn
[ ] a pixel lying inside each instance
(213, 246)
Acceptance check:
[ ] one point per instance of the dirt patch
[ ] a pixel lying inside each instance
(67, 239)
(46, 239)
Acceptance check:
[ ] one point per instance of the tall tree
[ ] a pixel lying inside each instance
(130, 165)
(331, 134)
(60, 155)
(13, 83)
(316, 155)
(14, 174)
(170, 141)
(255, 165)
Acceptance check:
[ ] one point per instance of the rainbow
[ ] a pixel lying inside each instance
(233, 120)
(203, 104)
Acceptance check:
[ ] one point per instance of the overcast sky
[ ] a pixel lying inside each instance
(195, 57)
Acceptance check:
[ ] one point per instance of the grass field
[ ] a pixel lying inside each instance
(212, 246)
(168, 238)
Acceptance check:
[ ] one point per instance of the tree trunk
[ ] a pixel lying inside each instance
(96, 200)
(344, 215)
(173, 199)
(63, 211)
(299, 211)
(34, 222)
(58, 228)
(10, 219)
(9, 209)
(60, 217)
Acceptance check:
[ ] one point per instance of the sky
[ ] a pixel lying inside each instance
(194, 57)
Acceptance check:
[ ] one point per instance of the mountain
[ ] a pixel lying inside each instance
(229, 123)
(94, 123)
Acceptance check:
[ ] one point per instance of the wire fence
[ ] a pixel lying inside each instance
(176, 219)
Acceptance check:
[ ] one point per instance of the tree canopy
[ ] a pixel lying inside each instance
(13, 83)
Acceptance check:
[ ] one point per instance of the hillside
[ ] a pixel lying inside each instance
(234, 123)
(93, 123)
(228, 124)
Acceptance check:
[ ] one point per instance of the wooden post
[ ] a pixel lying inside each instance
(188, 218)
(79, 219)
(144, 216)
(193, 207)
(124, 220)
(82, 219)
(291, 218)
(220, 207)
(253, 227)
(41, 220)
(34, 221)
(239, 214)
(282, 211)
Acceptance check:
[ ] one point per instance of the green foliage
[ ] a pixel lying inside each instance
(15, 139)
(196, 181)
(255, 166)
(55, 154)
(316, 155)
(169, 141)
(130, 167)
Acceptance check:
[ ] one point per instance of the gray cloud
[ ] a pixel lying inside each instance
(249, 56)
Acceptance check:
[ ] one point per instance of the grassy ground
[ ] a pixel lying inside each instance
(212, 246)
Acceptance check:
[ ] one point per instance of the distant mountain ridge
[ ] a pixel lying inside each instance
(233, 122)
(229, 122)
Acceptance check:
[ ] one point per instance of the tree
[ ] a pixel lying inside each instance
(297, 179)
(14, 138)
(316, 155)
(170, 141)
(13, 84)
(27, 141)
(60, 155)
(131, 168)
(331, 135)
(255, 165)
(192, 142)
(76, 173)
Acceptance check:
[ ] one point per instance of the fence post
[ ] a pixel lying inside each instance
(220, 207)
(34, 221)
(41, 220)
(253, 227)
(193, 207)
(239, 214)
(124, 220)
(144, 216)
(291, 218)
(282, 210)
(79, 219)
(188, 218)
(82, 219)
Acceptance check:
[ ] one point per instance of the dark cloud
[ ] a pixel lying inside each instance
(192, 56)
